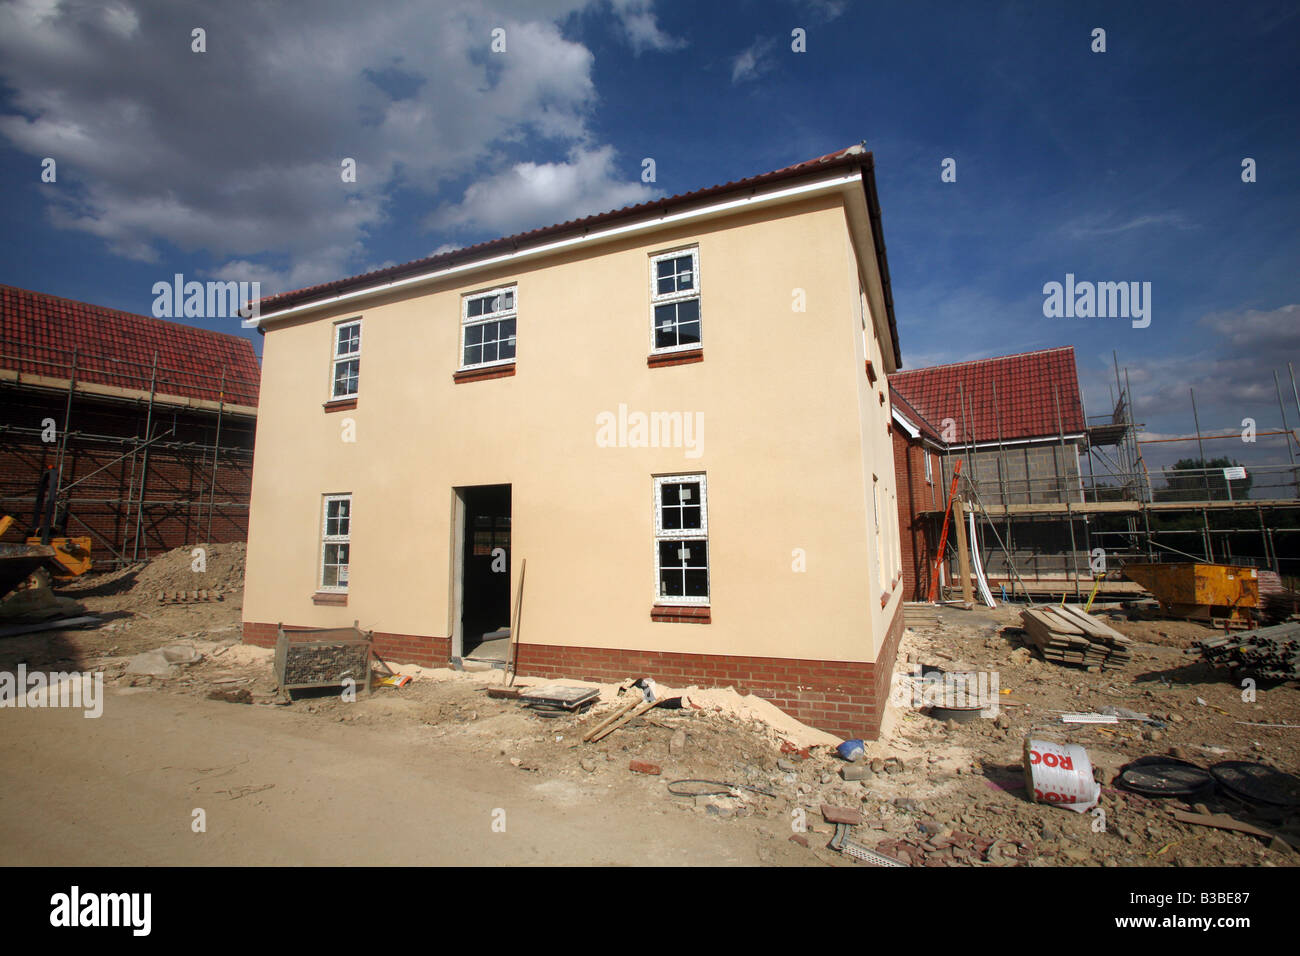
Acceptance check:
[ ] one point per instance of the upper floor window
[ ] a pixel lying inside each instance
(347, 359)
(488, 328)
(675, 299)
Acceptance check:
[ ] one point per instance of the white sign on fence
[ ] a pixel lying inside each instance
(1234, 474)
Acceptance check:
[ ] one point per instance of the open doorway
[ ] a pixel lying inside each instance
(485, 572)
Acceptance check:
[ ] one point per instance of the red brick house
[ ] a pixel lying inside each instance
(147, 423)
(918, 453)
(1017, 424)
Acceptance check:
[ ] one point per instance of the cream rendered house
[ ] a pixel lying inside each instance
(676, 412)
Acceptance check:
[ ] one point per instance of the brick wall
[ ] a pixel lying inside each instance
(915, 495)
(179, 486)
(843, 698)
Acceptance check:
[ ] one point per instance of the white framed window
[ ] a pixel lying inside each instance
(488, 327)
(675, 301)
(681, 540)
(929, 469)
(347, 359)
(336, 542)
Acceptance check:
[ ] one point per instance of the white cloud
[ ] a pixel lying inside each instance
(1095, 227)
(236, 151)
(1276, 330)
(641, 27)
(826, 10)
(752, 62)
(529, 195)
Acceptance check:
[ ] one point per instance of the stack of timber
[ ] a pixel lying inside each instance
(1269, 652)
(1066, 635)
(918, 615)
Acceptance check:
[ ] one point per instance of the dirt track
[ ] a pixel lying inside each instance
(121, 790)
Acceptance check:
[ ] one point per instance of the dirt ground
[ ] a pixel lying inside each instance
(933, 794)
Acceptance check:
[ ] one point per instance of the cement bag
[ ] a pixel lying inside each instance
(1060, 774)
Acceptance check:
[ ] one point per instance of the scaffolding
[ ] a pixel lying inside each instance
(1120, 510)
(196, 426)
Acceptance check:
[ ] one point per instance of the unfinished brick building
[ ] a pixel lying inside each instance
(146, 425)
(1016, 423)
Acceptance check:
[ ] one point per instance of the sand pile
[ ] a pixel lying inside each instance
(223, 570)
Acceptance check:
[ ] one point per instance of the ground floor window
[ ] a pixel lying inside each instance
(336, 543)
(681, 539)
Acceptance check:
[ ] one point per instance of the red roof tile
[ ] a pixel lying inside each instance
(912, 415)
(1027, 385)
(852, 156)
(38, 333)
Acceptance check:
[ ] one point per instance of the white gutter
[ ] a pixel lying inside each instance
(755, 201)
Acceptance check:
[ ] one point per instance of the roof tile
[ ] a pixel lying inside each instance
(1026, 383)
(39, 332)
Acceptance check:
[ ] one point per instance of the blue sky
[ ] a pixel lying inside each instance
(1115, 166)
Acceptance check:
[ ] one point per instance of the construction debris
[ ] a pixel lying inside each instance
(322, 657)
(163, 662)
(1222, 821)
(630, 711)
(1066, 635)
(560, 697)
(1269, 652)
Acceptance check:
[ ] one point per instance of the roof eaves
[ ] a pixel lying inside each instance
(853, 156)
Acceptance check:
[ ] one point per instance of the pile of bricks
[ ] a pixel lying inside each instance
(325, 664)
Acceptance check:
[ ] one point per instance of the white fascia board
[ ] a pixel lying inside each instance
(908, 427)
(713, 210)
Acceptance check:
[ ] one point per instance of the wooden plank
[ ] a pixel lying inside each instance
(627, 716)
(1093, 626)
(628, 705)
(1051, 623)
(1222, 821)
(963, 552)
(1081, 620)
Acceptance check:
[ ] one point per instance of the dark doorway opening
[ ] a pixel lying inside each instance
(485, 602)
